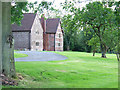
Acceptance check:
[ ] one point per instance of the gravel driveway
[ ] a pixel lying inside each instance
(40, 56)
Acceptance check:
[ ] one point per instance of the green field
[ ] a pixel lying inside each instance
(80, 70)
(19, 55)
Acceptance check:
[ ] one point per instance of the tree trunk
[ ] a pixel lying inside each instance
(68, 48)
(103, 50)
(94, 53)
(8, 67)
(118, 57)
(0, 44)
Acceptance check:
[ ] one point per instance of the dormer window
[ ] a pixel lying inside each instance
(37, 32)
(59, 35)
(58, 44)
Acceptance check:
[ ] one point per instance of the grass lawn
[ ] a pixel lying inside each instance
(80, 70)
(19, 55)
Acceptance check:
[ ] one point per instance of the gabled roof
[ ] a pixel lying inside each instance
(26, 23)
(52, 25)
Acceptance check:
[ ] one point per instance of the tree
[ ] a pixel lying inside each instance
(99, 18)
(7, 39)
(94, 43)
(17, 12)
(117, 13)
(70, 26)
(82, 39)
(11, 15)
(71, 31)
(0, 38)
(116, 32)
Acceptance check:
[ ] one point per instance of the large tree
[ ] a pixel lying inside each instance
(99, 18)
(10, 15)
(96, 19)
(115, 36)
(117, 13)
(7, 41)
(70, 32)
(70, 26)
(0, 38)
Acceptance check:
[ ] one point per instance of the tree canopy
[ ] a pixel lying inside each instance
(98, 21)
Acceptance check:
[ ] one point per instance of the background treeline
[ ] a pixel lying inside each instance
(93, 28)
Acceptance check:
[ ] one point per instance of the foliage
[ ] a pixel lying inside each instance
(70, 31)
(97, 20)
(21, 7)
(71, 27)
(17, 12)
(82, 42)
(117, 23)
(101, 20)
(40, 8)
(94, 43)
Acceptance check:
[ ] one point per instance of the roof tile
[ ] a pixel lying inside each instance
(26, 23)
(52, 25)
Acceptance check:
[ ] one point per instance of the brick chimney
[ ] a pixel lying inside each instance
(45, 36)
(43, 23)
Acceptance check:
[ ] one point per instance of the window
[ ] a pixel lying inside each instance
(59, 35)
(37, 43)
(58, 44)
(37, 32)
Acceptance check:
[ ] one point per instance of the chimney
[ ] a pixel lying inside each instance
(45, 41)
(43, 23)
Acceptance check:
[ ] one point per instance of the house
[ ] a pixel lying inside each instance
(52, 34)
(38, 34)
(30, 34)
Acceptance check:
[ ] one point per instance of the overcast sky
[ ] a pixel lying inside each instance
(57, 2)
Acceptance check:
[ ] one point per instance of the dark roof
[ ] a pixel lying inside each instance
(52, 25)
(26, 23)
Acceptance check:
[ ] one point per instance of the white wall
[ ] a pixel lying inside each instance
(37, 35)
(59, 40)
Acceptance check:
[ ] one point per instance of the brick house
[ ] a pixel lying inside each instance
(38, 34)
(30, 34)
(52, 34)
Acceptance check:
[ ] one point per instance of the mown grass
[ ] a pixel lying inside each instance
(20, 55)
(80, 70)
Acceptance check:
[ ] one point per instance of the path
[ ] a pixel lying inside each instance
(40, 56)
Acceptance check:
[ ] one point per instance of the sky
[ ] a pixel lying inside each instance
(57, 2)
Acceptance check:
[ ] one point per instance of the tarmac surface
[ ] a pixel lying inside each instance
(40, 56)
